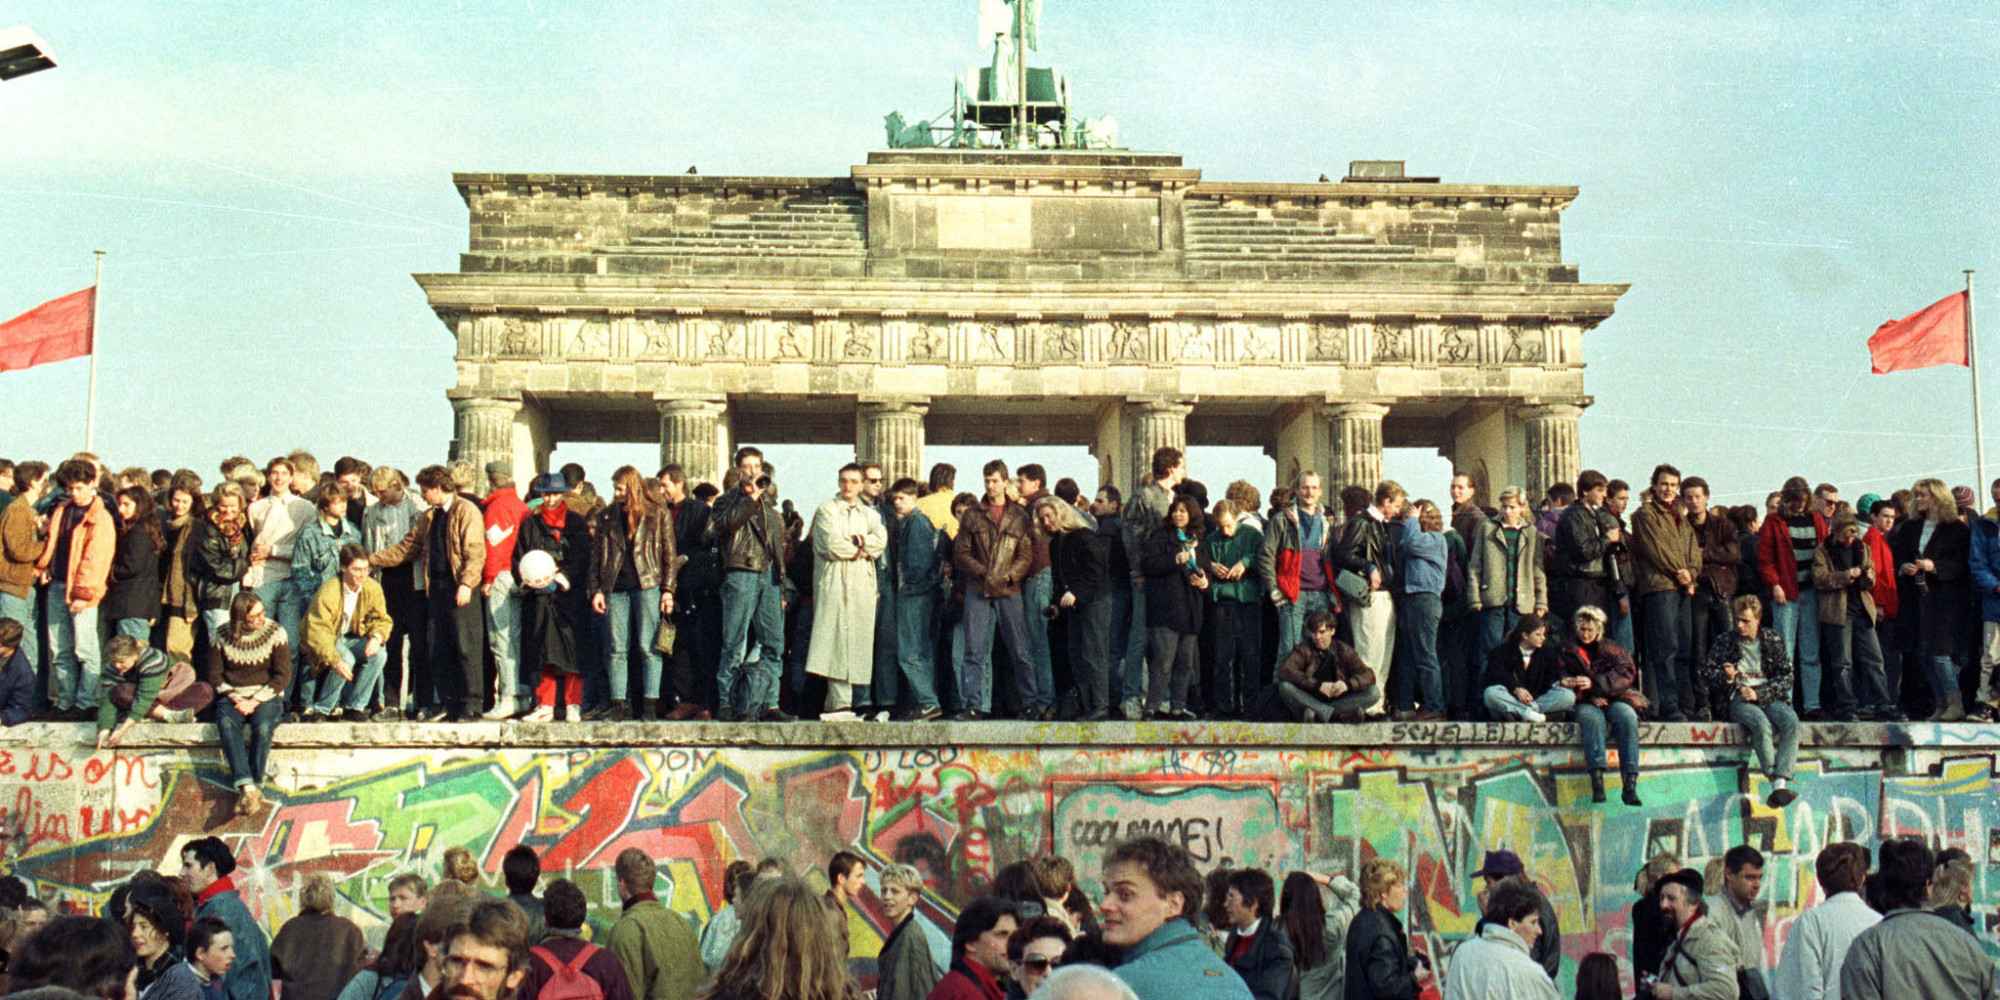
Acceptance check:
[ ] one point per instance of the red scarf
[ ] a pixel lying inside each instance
(555, 515)
(215, 888)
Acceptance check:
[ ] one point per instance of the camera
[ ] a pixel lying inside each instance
(763, 482)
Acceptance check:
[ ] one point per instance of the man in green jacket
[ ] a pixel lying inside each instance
(1151, 889)
(658, 947)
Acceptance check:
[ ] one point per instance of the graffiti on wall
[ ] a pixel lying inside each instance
(76, 824)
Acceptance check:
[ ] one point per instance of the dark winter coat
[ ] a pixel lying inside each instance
(1378, 958)
(135, 577)
(1932, 608)
(1078, 560)
(1172, 602)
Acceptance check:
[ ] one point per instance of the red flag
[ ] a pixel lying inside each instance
(56, 330)
(1934, 335)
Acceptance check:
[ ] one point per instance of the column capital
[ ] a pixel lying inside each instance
(690, 403)
(462, 399)
(1161, 404)
(918, 405)
(1357, 409)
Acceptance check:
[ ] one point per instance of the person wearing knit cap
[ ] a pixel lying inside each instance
(1844, 575)
(1965, 498)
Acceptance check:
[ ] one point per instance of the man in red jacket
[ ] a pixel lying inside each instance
(978, 952)
(503, 512)
(1881, 517)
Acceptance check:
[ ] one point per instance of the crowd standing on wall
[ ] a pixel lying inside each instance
(1158, 930)
(139, 597)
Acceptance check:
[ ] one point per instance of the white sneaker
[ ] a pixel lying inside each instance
(882, 716)
(179, 716)
(542, 713)
(843, 715)
(502, 710)
(1533, 716)
(573, 713)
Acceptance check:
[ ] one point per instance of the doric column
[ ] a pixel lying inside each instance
(483, 429)
(1154, 424)
(1555, 454)
(1355, 454)
(689, 435)
(892, 432)
(1300, 434)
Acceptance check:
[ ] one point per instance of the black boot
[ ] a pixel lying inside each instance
(1631, 796)
(1597, 784)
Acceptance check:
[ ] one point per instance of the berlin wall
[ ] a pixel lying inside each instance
(366, 803)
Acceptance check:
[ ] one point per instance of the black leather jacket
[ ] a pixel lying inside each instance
(748, 534)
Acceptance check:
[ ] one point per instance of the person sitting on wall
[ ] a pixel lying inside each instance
(1323, 679)
(143, 683)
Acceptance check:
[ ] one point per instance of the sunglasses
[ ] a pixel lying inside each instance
(1039, 963)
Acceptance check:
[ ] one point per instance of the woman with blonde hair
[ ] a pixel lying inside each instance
(220, 555)
(1932, 550)
(1080, 591)
(1379, 966)
(632, 583)
(787, 949)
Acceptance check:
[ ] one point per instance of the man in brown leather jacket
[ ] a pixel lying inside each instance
(453, 534)
(749, 533)
(992, 555)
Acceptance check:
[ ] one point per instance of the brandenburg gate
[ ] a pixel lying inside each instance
(1033, 290)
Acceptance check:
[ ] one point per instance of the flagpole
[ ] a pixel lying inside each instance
(1972, 362)
(91, 399)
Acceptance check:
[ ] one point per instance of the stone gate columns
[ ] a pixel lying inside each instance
(483, 430)
(1555, 454)
(892, 432)
(1150, 425)
(691, 437)
(1301, 437)
(1355, 457)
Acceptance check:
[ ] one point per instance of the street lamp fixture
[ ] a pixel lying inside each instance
(23, 52)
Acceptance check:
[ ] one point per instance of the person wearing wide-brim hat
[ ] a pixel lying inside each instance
(552, 563)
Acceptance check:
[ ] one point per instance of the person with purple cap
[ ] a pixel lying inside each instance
(1504, 867)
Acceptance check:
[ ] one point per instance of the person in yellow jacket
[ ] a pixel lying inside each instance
(346, 641)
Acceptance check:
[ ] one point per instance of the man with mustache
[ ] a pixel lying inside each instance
(486, 953)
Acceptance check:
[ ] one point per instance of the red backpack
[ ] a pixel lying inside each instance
(567, 981)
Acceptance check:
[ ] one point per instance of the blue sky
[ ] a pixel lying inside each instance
(1773, 180)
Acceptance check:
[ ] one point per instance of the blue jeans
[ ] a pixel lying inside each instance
(217, 620)
(753, 605)
(1797, 623)
(982, 613)
(1090, 653)
(1854, 666)
(138, 628)
(1503, 706)
(334, 692)
(1418, 623)
(886, 688)
(503, 637)
(1942, 671)
(1624, 724)
(916, 646)
(1494, 624)
(1669, 648)
(22, 609)
(1292, 619)
(281, 605)
(635, 615)
(1773, 729)
(1620, 629)
(73, 651)
(1128, 644)
(247, 760)
(1035, 593)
